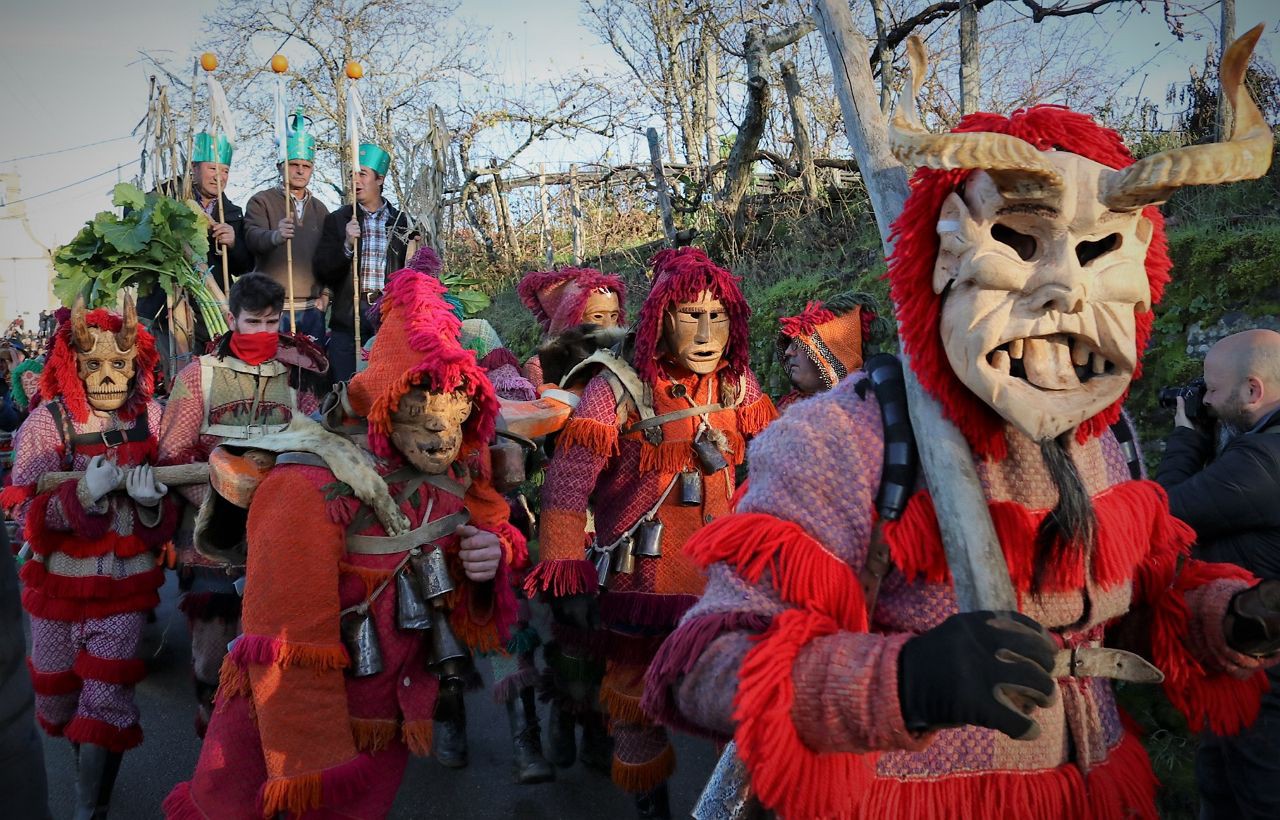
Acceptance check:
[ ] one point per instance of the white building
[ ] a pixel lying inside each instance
(26, 267)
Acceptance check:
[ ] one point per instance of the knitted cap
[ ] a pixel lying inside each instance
(418, 344)
(680, 275)
(557, 297)
(833, 343)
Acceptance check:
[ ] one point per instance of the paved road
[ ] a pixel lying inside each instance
(483, 790)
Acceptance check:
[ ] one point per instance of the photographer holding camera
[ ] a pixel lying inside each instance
(1232, 500)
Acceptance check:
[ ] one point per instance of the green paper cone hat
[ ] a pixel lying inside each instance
(203, 150)
(374, 158)
(300, 144)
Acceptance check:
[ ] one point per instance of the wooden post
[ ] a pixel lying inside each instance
(970, 69)
(1225, 123)
(973, 552)
(660, 185)
(547, 245)
(800, 130)
(712, 110)
(575, 210)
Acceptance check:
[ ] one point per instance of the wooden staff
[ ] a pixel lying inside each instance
(354, 72)
(175, 475)
(208, 61)
(279, 64)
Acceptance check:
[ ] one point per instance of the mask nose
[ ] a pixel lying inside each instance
(1056, 296)
(703, 334)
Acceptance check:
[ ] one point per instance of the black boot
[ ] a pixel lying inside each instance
(654, 804)
(597, 746)
(528, 764)
(96, 770)
(450, 736)
(562, 743)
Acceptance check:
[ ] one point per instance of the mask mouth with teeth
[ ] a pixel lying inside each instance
(426, 428)
(1029, 255)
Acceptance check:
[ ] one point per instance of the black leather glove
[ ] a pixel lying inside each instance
(1253, 619)
(978, 668)
(576, 610)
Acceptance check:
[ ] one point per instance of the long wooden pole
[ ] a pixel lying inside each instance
(355, 252)
(221, 249)
(660, 186)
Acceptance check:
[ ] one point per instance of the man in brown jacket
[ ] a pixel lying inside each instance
(269, 227)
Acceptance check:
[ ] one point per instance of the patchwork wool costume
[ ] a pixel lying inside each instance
(781, 653)
(557, 299)
(628, 475)
(220, 397)
(93, 575)
(302, 725)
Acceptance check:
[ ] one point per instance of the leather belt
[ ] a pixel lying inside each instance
(391, 544)
(370, 296)
(1104, 662)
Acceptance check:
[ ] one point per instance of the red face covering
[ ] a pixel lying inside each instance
(255, 348)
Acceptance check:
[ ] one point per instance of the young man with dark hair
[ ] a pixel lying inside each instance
(248, 387)
(378, 240)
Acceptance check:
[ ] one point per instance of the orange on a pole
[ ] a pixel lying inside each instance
(354, 70)
(208, 61)
(279, 64)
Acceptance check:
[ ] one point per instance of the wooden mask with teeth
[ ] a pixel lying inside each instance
(1041, 268)
(105, 361)
(427, 428)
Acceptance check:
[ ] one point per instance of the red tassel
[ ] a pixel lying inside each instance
(561, 578)
(16, 495)
(756, 416)
(53, 683)
(787, 775)
(180, 806)
(122, 671)
(99, 733)
(592, 435)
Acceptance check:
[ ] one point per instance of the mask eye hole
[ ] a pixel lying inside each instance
(1086, 252)
(1023, 244)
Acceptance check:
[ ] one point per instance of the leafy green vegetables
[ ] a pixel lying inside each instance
(159, 242)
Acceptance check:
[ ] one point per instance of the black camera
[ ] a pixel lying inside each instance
(1192, 394)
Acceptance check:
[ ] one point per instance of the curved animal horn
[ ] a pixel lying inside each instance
(128, 333)
(1017, 168)
(80, 335)
(1247, 155)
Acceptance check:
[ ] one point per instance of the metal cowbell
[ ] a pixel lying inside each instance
(360, 637)
(412, 612)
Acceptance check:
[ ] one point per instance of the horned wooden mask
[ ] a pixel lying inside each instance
(1041, 258)
(105, 361)
(427, 428)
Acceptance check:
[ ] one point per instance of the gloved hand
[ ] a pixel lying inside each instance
(978, 668)
(142, 486)
(101, 477)
(1253, 619)
(580, 611)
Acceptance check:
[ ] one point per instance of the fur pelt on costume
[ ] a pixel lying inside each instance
(562, 353)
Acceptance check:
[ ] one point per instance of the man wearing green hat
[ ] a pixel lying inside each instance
(210, 170)
(270, 224)
(377, 240)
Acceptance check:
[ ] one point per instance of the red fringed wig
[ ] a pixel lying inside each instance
(915, 249)
(681, 275)
(60, 378)
(556, 297)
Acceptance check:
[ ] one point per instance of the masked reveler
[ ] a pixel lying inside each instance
(377, 557)
(93, 576)
(248, 387)
(824, 343)
(652, 447)
(1026, 263)
(562, 301)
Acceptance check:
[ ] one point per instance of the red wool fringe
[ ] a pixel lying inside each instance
(88, 588)
(647, 609)
(637, 778)
(233, 680)
(561, 578)
(15, 495)
(40, 603)
(178, 805)
(668, 457)
(756, 416)
(311, 791)
(100, 733)
(53, 683)
(265, 651)
(1133, 523)
(789, 777)
(509, 687)
(417, 736)
(122, 672)
(621, 707)
(1224, 704)
(373, 735)
(594, 436)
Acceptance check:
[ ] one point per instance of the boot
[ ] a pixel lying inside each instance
(562, 743)
(597, 746)
(450, 743)
(205, 693)
(96, 771)
(529, 766)
(654, 804)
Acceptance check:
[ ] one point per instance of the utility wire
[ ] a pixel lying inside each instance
(64, 150)
(111, 170)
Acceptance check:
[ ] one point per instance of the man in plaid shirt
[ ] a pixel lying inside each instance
(376, 237)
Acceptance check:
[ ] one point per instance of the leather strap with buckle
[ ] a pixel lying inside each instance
(391, 544)
(1104, 662)
(370, 296)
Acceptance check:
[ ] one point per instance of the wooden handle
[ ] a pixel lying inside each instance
(174, 475)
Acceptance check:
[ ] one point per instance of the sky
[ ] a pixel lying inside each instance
(70, 74)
